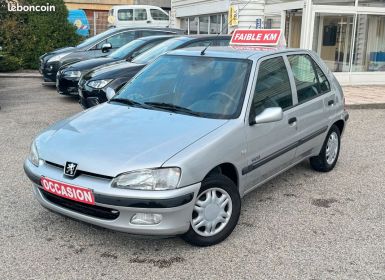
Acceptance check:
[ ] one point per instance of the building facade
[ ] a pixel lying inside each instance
(349, 35)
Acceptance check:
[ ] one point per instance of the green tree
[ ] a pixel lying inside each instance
(27, 35)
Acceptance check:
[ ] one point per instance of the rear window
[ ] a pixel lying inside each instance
(158, 15)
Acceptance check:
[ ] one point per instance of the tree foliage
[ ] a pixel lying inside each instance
(27, 35)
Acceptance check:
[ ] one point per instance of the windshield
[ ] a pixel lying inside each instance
(122, 52)
(158, 50)
(96, 38)
(203, 86)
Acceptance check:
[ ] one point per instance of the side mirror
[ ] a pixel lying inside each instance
(110, 93)
(106, 47)
(268, 115)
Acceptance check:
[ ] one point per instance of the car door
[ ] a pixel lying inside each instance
(140, 17)
(159, 18)
(270, 146)
(315, 100)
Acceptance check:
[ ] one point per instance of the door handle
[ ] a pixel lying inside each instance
(330, 102)
(292, 121)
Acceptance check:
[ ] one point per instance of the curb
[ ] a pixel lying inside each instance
(20, 75)
(366, 106)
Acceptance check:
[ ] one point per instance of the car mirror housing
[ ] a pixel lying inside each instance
(106, 47)
(268, 115)
(110, 93)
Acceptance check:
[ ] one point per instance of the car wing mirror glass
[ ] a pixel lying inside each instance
(268, 115)
(106, 47)
(110, 93)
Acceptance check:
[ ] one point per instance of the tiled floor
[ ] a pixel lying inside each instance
(364, 94)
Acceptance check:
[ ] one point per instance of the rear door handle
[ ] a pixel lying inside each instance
(292, 121)
(330, 102)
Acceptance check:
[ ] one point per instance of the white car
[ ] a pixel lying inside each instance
(138, 16)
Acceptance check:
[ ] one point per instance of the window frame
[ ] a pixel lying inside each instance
(252, 93)
(313, 63)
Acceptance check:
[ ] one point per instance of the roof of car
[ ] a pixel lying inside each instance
(149, 38)
(242, 52)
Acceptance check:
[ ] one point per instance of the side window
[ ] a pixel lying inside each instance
(309, 81)
(198, 44)
(323, 81)
(120, 39)
(140, 14)
(273, 86)
(125, 15)
(158, 15)
(145, 48)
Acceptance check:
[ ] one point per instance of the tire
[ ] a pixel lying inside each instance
(212, 232)
(325, 162)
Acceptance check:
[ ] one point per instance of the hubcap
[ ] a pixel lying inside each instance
(332, 148)
(212, 212)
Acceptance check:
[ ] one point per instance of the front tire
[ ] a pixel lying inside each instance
(216, 211)
(327, 158)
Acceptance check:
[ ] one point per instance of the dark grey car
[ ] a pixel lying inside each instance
(97, 46)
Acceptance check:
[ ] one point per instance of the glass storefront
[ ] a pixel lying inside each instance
(369, 47)
(205, 24)
(332, 40)
(335, 2)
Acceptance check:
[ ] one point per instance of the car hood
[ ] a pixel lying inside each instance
(50, 54)
(90, 63)
(115, 70)
(110, 139)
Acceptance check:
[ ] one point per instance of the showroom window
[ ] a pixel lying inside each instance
(369, 47)
(371, 3)
(335, 2)
(205, 24)
(332, 40)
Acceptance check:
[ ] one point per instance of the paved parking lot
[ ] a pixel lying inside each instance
(301, 225)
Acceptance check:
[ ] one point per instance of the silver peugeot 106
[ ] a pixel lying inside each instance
(173, 152)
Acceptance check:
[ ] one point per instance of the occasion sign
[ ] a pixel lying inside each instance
(265, 37)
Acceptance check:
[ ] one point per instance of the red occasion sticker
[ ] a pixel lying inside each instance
(267, 37)
(72, 192)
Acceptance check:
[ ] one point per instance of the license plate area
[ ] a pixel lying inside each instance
(68, 191)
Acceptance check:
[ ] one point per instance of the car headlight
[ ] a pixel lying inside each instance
(73, 74)
(99, 83)
(149, 179)
(33, 154)
(57, 57)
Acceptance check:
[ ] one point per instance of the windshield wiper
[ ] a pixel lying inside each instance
(129, 102)
(172, 108)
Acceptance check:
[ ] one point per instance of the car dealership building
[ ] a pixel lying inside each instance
(349, 35)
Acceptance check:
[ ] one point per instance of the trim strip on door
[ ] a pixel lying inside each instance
(282, 151)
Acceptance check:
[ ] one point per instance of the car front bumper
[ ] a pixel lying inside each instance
(49, 70)
(118, 205)
(66, 85)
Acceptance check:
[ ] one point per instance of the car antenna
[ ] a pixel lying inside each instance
(203, 52)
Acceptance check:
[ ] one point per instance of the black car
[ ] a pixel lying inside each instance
(93, 85)
(68, 76)
(97, 46)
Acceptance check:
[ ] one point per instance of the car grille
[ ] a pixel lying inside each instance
(80, 172)
(89, 210)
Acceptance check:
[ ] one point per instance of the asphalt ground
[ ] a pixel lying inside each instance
(301, 225)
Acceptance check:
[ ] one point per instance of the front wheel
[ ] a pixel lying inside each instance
(216, 211)
(327, 158)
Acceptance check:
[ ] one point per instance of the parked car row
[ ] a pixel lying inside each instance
(87, 72)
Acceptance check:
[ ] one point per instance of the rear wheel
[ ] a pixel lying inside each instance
(216, 211)
(327, 158)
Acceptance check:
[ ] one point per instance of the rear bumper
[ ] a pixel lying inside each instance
(114, 211)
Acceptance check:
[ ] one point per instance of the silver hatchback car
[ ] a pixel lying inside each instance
(179, 145)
